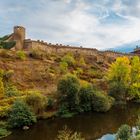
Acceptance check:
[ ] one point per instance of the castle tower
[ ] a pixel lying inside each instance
(19, 37)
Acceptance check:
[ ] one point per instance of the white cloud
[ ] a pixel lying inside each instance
(75, 22)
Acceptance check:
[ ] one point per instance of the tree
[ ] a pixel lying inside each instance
(21, 115)
(85, 97)
(119, 78)
(135, 77)
(124, 132)
(101, 102)
(68, 88)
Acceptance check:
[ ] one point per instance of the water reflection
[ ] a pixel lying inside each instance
(91, 125)
(108, 137)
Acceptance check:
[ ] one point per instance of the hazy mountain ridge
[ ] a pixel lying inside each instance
(126, 48)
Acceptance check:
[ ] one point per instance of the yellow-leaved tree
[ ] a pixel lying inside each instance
(119, 78)
(135, 77)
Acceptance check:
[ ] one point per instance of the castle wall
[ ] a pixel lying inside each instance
(59, 49)
(62, 49)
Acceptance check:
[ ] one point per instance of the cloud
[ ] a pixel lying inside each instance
(91, 23)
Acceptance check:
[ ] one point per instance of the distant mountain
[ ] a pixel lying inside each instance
(128, 47)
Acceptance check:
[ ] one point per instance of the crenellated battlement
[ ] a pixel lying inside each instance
(28, 44)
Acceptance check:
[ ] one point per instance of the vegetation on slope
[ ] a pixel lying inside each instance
(39, 85)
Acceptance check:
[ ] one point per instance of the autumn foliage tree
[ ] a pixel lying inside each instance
(135, 77)
(119, 78)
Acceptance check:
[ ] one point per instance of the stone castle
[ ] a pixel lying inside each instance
(19, 36)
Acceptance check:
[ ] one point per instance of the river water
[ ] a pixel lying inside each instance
(91, 125)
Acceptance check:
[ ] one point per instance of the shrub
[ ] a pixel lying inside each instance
(63, 67)
(82, 61)
(21, 55)
(69, 59)
(8, 74)
(8, 45)
(67, 134)
(85, 98)
(124, 132)
(11, 90)
(78, 71)
(64, 112)
(68, 88)
(36, 101)
(101, 102)
(4, 111)
(21, 115)
(118, 90)
(50, 103)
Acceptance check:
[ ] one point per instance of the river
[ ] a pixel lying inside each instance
(91, 125)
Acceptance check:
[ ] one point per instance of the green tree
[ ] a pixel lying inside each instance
(21, 115)
(119, 78)
(85, 98)
(68, 88)
(124, 132)
(101, 102)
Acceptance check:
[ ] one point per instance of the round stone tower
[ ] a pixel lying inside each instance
(19, 37)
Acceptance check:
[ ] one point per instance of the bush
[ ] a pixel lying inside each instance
(82, 61)
(64, 112)
(50, 103)
(85, 98)
(21, 115)
(124, 132)
(11, 90)
(4, 111)
(101, 102)
(118, 90)
(63, 67)
(21, 55)
(69, 59)
(8, 74)
(78, 72)
(36, 101)
(68, 88)
(8, 45)
(67, 134)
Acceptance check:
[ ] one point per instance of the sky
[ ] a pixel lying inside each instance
(97, 24)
